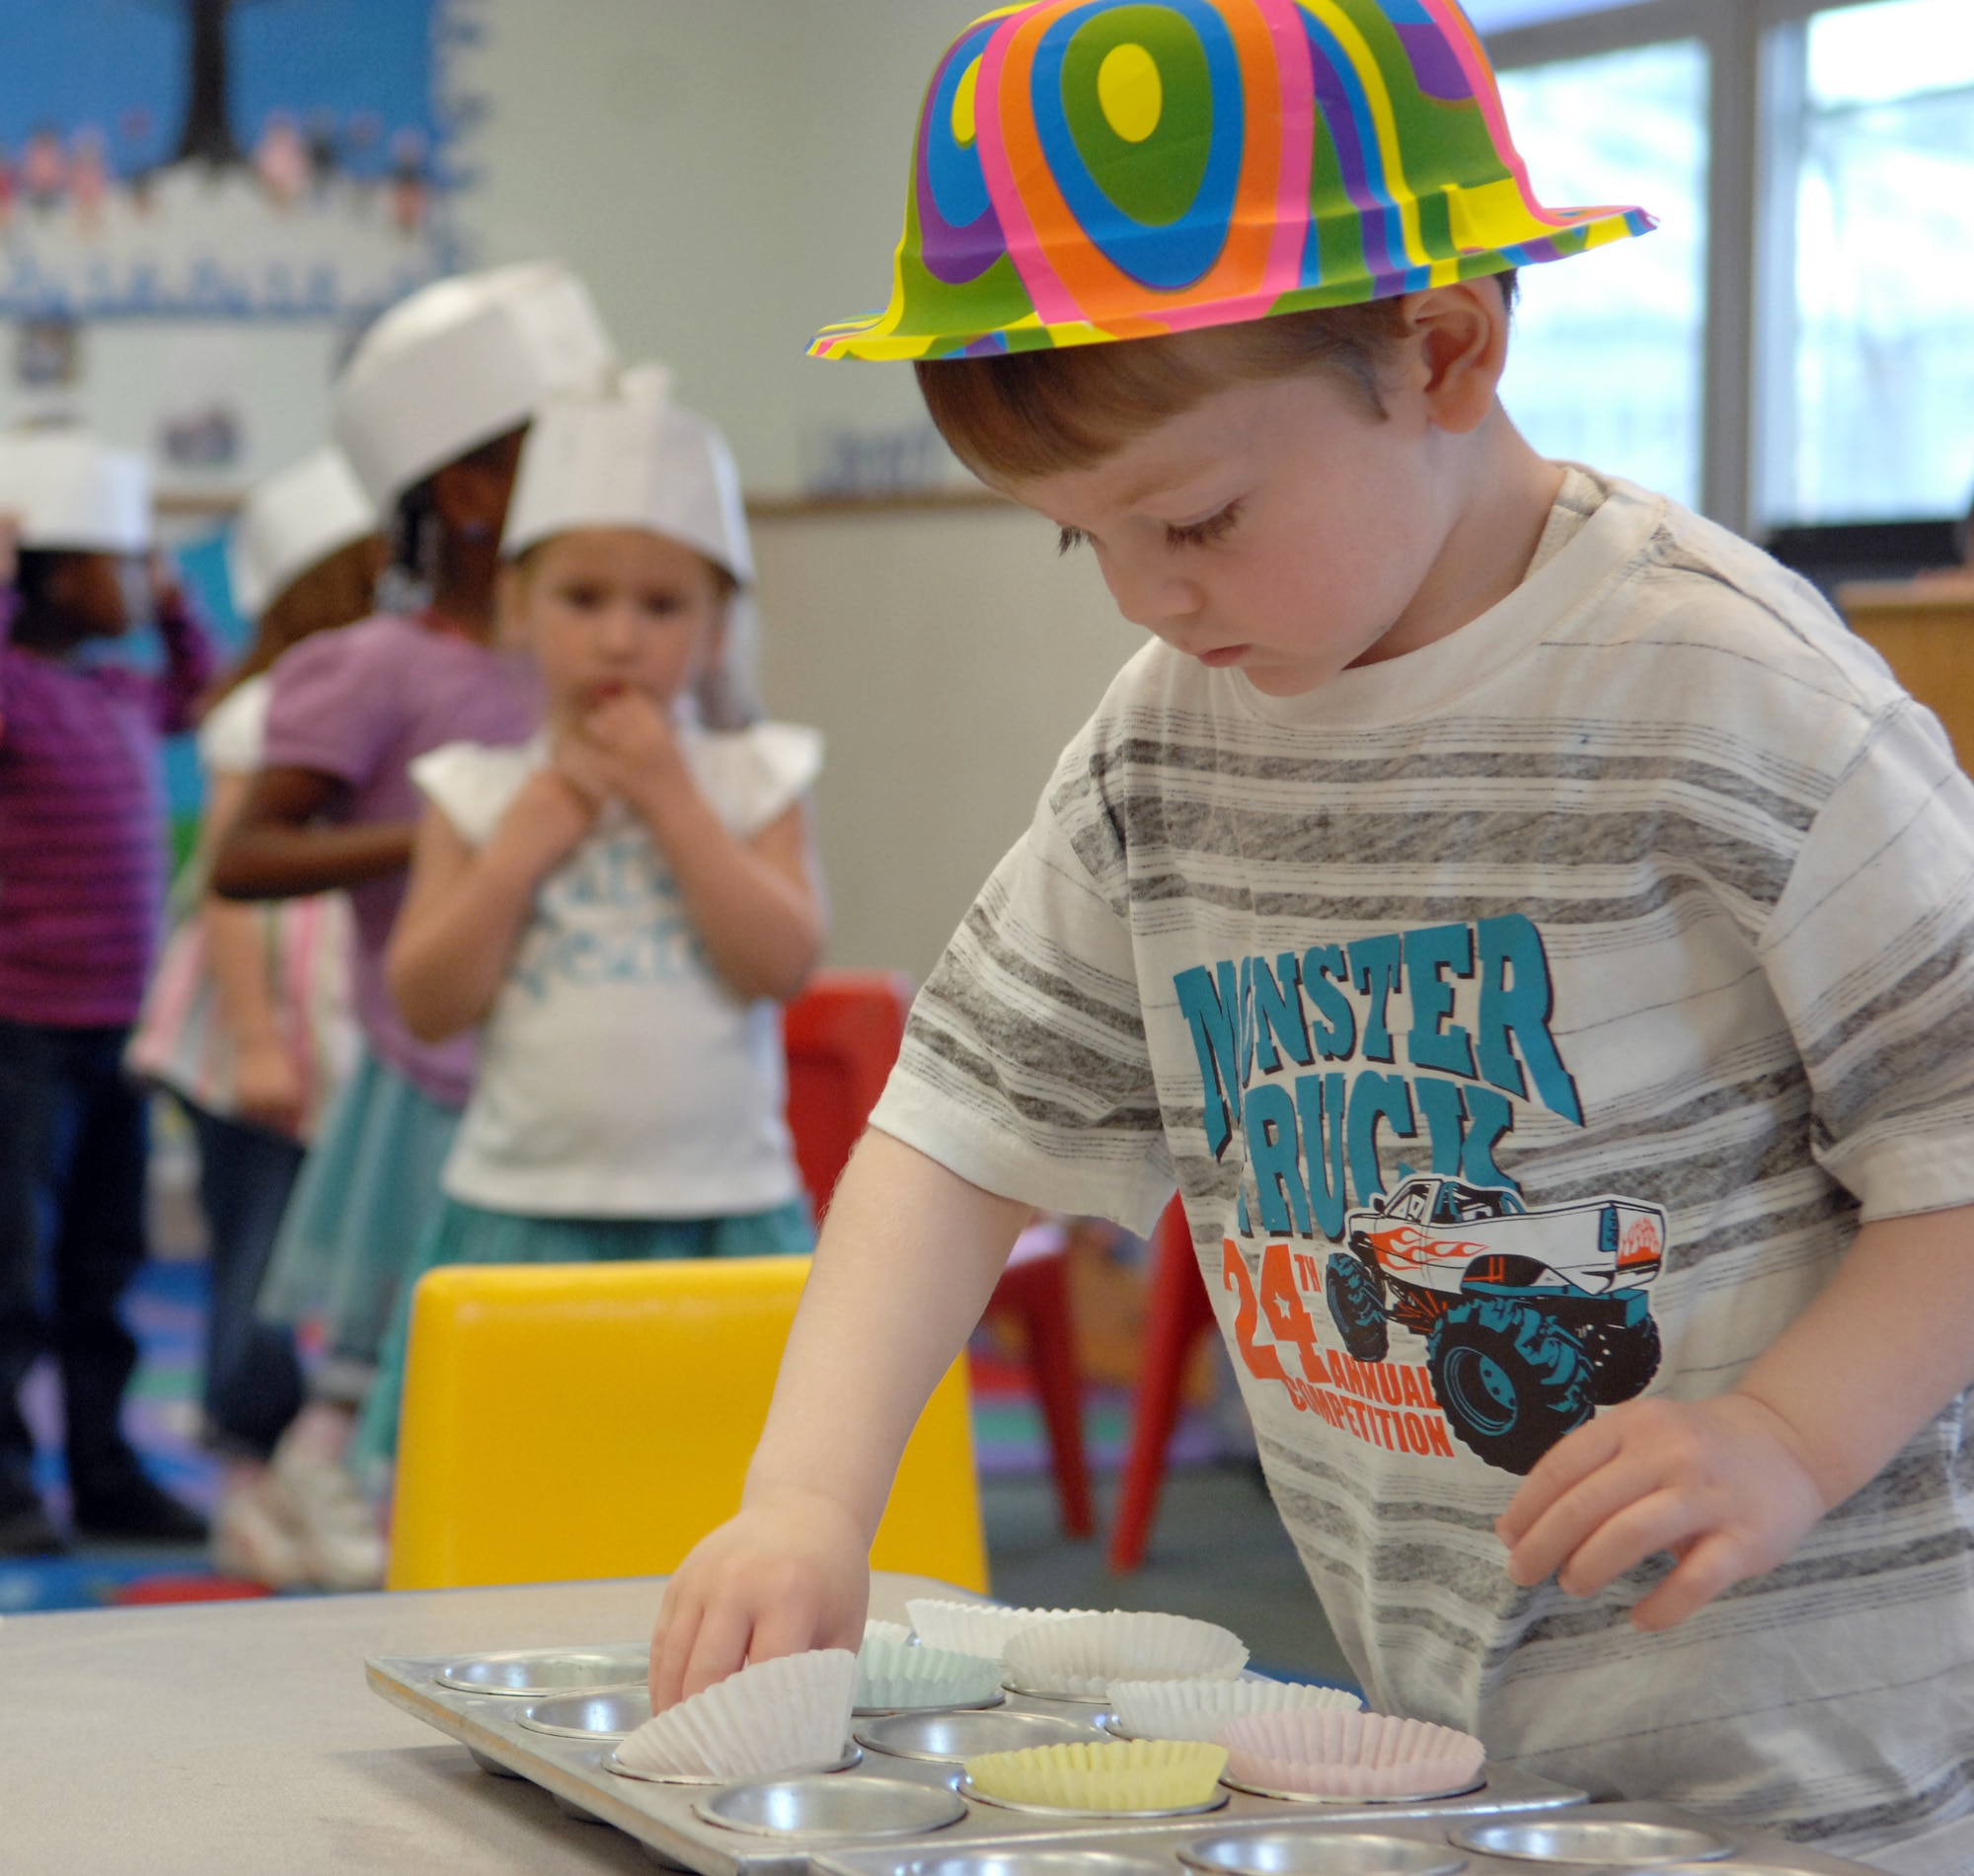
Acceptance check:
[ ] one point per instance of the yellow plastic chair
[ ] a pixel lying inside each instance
(572, 1421)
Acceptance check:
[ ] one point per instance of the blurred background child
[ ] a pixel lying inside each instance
(624, 900)
(248, 1021)
(430, 414)
(84, 871)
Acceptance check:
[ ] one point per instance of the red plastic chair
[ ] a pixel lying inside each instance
(1179, 1313)
(843, 1034)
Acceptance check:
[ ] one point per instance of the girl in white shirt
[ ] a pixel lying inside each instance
(622, 903)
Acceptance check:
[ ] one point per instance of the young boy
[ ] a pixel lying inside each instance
(81, 888)
(1537, 939)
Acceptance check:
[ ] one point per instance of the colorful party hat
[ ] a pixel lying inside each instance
(1090, 170)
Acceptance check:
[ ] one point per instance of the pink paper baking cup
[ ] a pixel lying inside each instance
(1320, 1754)
(784, 1713)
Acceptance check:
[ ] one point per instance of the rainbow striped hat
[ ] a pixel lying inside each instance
(1090, 170)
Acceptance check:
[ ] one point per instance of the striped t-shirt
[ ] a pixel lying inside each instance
(1528, 1021)
(82, 834)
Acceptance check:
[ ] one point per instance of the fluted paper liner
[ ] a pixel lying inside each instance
(976, 1629)
(894, 1675)
(877, 1631)
(1331, 1754)
(784, 1713)
(1198, 1709)
(1080, 1656)
(1140, 1774)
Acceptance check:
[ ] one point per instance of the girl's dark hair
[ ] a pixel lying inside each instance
(1033, 413)
(339, 589)
(34, 570)
(417, 529)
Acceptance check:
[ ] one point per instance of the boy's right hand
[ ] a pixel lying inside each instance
(790, 1572)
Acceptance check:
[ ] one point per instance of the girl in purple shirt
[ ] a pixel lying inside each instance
(81, 876)
(431, 414)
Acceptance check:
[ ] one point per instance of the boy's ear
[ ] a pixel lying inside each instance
(1461, 336)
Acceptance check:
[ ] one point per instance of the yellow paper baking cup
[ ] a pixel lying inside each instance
(1140, 1774)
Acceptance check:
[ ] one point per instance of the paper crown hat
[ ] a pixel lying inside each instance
(631, 459)
(65, 490)
(293, 522)
(459, 363)
(1092, 170)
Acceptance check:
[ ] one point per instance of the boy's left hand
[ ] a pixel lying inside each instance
(1721, 1485)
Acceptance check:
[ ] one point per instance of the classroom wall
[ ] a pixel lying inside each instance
(730, 176)
(947, 658)
(727, 177)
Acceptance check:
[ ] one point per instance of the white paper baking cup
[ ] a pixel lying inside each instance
(1080, 1656)
(894, 1676)
(782, 1713)
(876, 1631)
(1198, 1709)
(1314, 1754)
(976, 1629)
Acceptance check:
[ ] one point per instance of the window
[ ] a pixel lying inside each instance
(1871, 413)
(1608, 358)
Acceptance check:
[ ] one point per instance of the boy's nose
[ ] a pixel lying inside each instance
(1159, 601)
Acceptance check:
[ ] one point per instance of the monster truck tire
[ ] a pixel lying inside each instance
(1510, 1380)
(1623, 1361)
(1356, 1298)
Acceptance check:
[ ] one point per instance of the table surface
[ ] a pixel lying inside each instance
(224, 1739)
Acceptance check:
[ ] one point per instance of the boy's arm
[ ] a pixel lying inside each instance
(1731, 1485)
(909, 1255)
(466, 908)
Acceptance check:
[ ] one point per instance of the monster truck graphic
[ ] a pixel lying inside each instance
(1532, 1319)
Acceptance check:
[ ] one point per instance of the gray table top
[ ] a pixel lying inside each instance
(221, 1739)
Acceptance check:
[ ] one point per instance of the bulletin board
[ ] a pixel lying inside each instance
(203, 202)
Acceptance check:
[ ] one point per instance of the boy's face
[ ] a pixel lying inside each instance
(1285, 529)
(610, 610)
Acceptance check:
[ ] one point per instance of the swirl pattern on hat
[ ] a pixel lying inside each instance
(1093, 170)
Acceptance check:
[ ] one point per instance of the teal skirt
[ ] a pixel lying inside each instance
(463, 1234)
(365, 1201)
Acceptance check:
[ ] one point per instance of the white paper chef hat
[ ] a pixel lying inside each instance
(631, 459)
(459, 363)
(293, 522)
(65, 490)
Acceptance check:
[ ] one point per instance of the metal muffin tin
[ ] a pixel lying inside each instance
(833, 1810)
(987, 1840)
(1641, 1838)
(958, 1734)
(532, 1674)
(1300, 1852)
(604, 1713)
(853, 1756)
(1466, 1788)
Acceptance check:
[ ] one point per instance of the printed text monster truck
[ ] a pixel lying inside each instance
(1532, 1319)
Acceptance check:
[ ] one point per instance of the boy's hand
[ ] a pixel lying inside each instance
(1722, 1484)
(790, 1572)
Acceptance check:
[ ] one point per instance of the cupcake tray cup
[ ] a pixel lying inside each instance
(666, 1818)
(1230, 1845)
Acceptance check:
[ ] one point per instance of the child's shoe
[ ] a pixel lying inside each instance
(342, 1548)
(256, 1536)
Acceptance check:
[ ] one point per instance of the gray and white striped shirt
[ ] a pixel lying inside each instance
(1527, 1021)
